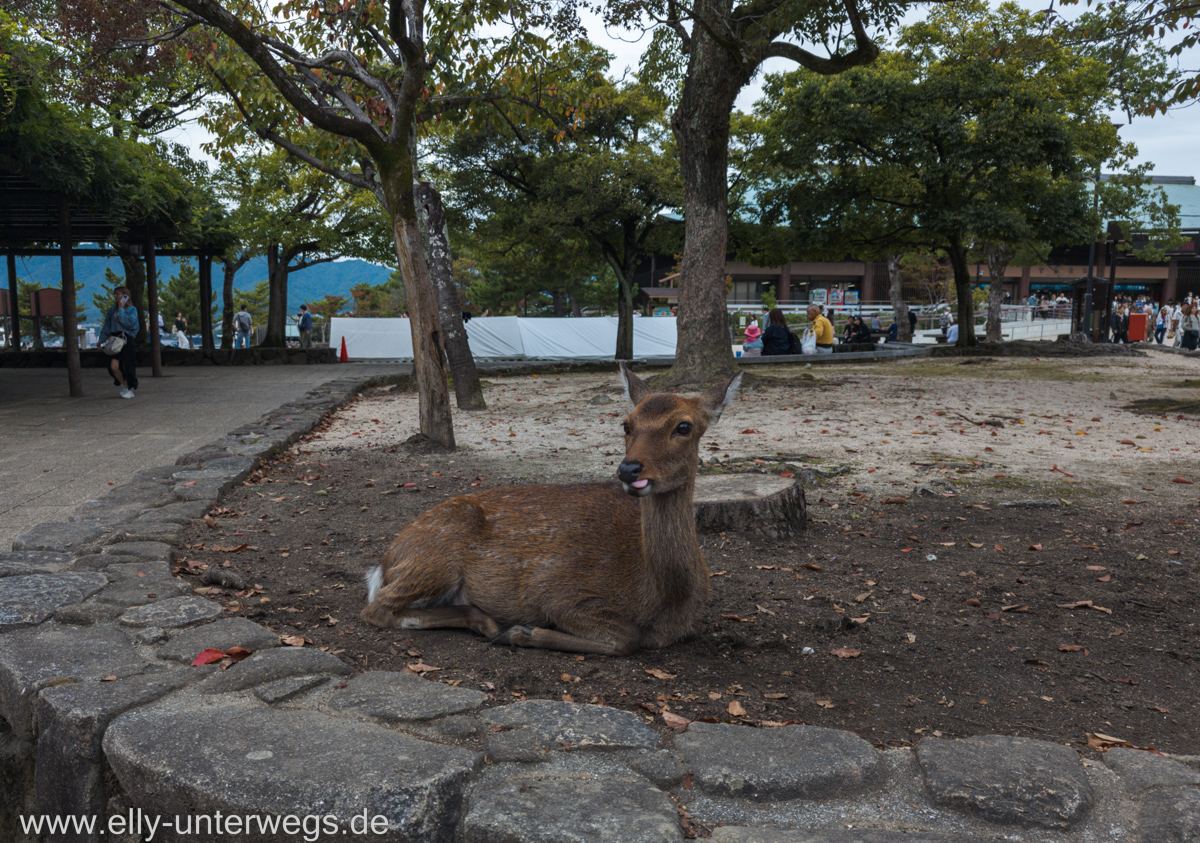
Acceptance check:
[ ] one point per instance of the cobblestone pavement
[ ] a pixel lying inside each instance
(102, 714)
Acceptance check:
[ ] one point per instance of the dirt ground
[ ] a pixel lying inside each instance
(1043, 582)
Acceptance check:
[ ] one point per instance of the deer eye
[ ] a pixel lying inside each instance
(684, 429)
(626, 426)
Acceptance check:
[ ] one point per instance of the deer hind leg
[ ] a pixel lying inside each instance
(440, 617)
(552, 639)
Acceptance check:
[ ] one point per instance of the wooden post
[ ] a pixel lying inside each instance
(152, 323)
(35, 315)
(206, 326)
(14, 334)
(70, 323)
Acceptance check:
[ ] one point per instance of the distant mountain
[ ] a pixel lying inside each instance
(308, 285)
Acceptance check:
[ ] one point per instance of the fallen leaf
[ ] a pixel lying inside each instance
(972, 601)
(674, 721)
(825, 703)
(661, 674)
(917, 597)
(975, 544)
(421, 667)
(1015, 607)
(1070, 648)
(812, 566)
(1181, 480)
(845, 653)
(895, 499)
(1035, 547)
(293, 640)
(736, 709)
(775, 696)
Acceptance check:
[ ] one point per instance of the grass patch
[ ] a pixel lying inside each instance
(992, 368)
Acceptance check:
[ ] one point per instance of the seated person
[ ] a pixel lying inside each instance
(775, 337)
(862, 334)
(876, 323)
(893, 331)
(952, 334)
(752, 345)
(849, 331)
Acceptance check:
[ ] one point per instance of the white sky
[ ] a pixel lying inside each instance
(1170, 142)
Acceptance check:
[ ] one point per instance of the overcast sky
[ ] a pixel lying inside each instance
(1170, 142)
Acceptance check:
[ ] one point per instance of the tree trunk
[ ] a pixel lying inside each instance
(229, 269)
(556, 304)
(740, 503)
(135, 280)
(703, 353)
(896, 292)
(625, 321)
(997, 258)
(962, 288)
(277, 274)
(576, 310)
(433, 390)
(468, 392)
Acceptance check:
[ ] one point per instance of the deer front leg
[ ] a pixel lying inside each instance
(551, 639)
(443, 617)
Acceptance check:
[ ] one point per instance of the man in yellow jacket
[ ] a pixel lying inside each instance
(822, 328)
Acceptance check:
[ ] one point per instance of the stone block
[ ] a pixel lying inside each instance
(791, 762)
(144, 551)
(140, 583)
(1169, 815)
(146, 495)
(579, 726)
(1017, 781)
(71, 720)
(1140, 770)
(180, 512)
(32, 599)
(16, 785)
(87, 614)
(665, 769)
(270, 665)
(164, 532)
(736, 834)
(282, 690)
(32, 659)
(25, 562)
(199, 490)
(269, 762)
(173, 613)
(62, 537)
(390, 696)
(561, 810)
(221, 634)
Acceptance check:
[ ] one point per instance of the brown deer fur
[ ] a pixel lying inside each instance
(590, 568)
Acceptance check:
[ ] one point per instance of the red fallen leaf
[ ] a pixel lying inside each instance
(972, 601)
(751, 430)
(1096, 568)
(1130, 501)
(237, 654)
(1127, 442)
(409, 485)
(208, 657)
(812, 566)
(895, 499)
(786, 474)
(1181, 480)
(845, 653)
(906, 550)
(190, 483)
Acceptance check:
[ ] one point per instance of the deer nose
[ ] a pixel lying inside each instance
(627, 472)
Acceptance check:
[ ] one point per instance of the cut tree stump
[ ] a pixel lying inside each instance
(760, 503)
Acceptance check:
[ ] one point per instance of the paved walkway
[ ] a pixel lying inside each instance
(57, 451)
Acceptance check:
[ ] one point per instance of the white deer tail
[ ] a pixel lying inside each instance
(374, 582)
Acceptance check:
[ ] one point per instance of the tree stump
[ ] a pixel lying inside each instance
(761, 503)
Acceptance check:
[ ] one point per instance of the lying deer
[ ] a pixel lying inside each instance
(586, 568)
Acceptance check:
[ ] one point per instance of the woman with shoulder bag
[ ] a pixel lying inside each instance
(1191, 327)
(116, 338)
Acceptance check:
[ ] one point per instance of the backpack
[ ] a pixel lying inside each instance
(793, 343)
(241, 321)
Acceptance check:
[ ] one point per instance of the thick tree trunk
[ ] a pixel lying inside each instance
(896, 293)
(962, 288)
(277, 274)
(997, 258)
(433, 390)
(625, 323)
(704, 353)
(576, 310)
(468, 392)
(556, 304)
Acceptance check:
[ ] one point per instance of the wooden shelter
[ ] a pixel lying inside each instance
(33, 217)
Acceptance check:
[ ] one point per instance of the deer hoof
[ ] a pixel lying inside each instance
(516, 636)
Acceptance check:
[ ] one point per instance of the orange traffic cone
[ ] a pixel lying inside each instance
(343, 357)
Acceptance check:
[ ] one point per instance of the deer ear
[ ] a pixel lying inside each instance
(636, 389)
(717, 397)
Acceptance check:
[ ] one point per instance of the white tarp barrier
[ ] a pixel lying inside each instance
(387, 339)
(511, 337)
(495, 337)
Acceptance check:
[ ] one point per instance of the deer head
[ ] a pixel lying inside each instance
(662, 434)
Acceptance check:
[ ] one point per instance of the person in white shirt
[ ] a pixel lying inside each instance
(1176, 325)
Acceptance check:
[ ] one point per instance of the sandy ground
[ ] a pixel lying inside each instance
(1058, 417)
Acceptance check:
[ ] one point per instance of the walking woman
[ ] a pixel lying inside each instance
(122, 319)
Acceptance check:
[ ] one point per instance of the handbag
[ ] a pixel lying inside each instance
(113, 345)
